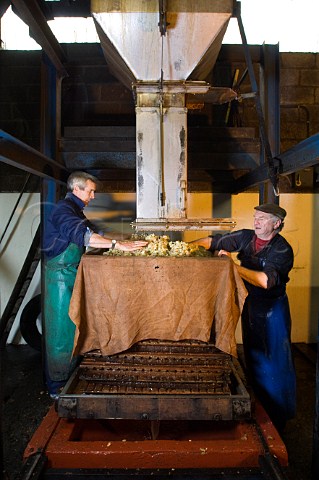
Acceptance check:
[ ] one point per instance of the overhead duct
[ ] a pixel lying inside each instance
(163, 50)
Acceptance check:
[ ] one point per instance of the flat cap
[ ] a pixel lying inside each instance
(273, 209)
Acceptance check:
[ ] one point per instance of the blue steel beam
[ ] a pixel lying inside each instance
(20, 155)
(303, 155)
(272, 171)
(315, 446)
(270, 98)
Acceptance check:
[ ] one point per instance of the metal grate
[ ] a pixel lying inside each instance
(157, 380)
(153, 367)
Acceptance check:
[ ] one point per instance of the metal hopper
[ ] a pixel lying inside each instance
(163, 50)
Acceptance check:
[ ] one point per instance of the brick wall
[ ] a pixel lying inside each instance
(92, 96)
(20, 95)
(299, 97)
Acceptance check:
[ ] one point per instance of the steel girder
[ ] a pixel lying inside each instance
(20, 155)
(303, 155)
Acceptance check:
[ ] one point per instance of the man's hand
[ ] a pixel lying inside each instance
(98, 241)
(130, 246)
(257, 278)
(222, 253)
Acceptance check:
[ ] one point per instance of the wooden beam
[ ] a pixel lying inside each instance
(31, 13)
(4, 5)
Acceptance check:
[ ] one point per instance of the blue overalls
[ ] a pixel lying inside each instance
(266, 323)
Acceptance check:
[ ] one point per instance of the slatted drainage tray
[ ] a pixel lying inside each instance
(157, 380)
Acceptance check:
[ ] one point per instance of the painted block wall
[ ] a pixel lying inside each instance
(301, 231)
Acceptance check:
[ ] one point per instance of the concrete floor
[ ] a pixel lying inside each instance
(25, 402)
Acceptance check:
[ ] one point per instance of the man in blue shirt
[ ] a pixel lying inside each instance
(67, 233)
(266, 259)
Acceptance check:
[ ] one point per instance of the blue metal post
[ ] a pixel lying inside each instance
(50, 130)
(315, 449)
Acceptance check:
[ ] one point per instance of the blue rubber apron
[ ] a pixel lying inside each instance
(266, 326)
(60, 273)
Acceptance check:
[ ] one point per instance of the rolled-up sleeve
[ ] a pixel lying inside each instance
(278, 264)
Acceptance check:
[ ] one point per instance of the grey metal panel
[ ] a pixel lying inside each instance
(98, 131)
(126, 132)
(126, 35)
(99, 160)
(127, 160)
(223, 160)
(97, 145)
(114, 59)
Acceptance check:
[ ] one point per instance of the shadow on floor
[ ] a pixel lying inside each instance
(25, 403)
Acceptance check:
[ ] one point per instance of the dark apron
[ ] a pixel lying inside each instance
(266, 327)
(60, 273)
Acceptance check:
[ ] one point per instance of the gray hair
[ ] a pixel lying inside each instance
(80, 179)
(275, 219)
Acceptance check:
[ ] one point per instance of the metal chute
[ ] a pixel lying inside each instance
(163, 51)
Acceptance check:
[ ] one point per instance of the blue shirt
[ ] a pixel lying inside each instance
(66, 224)
(275, 259)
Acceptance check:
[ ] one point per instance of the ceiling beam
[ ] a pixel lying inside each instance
(31, 13)
(4, 5)
(20, 155)
(303, 155)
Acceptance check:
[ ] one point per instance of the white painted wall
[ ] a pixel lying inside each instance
(16, 243)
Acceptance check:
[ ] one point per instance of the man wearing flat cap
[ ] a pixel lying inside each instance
(266, 259)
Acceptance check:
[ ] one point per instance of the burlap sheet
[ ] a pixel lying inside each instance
(118, 301)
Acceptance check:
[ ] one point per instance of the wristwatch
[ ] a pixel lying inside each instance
(113, 244)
